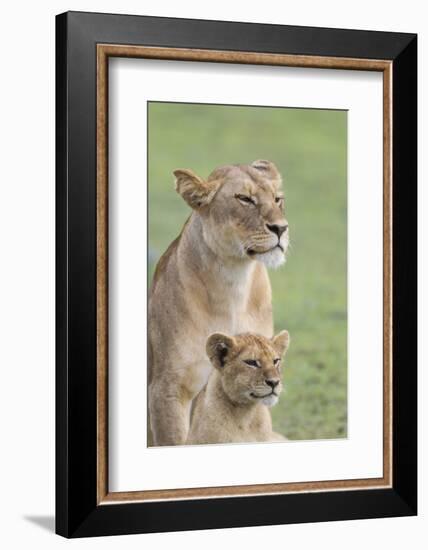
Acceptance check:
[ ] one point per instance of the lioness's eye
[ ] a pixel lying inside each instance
(278, 200)
(245, 199)
(252, 363)
(276, 361)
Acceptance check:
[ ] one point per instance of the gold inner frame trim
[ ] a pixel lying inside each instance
(104, 51)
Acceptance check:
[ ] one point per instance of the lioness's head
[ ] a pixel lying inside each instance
(242, 207)
(250, 365)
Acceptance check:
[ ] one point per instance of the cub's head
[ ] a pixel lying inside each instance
(242, 207)
(249, 365)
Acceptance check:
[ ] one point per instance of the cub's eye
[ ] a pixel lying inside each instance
(279, 200)
(276, 361)
(245, 199)
(252, 363)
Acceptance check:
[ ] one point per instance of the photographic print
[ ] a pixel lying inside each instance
(230, 274)
(247, 274)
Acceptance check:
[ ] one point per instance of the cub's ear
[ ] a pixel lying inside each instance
(268, 169)
(218, 348)
(194, 190)
(281, 341)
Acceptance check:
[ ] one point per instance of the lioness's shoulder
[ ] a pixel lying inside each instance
(163, 261)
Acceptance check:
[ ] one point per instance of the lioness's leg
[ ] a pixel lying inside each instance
(169, 414)
(278, 437)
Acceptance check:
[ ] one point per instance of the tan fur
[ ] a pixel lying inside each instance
(208, 281)
(233, 407)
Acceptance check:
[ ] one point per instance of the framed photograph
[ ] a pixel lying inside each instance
(236, 274)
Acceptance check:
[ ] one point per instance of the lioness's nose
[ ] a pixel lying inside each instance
(276, 228)
(272, 382)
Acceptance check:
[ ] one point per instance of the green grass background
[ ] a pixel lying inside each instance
(309, 292)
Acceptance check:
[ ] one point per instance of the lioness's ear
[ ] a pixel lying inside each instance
(218, 348)
(194, 190)
(268, 169)
(281, 341)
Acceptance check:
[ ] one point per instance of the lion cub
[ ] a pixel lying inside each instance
(233, 406)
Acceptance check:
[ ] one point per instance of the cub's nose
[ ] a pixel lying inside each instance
(277, 229)
(272, 382)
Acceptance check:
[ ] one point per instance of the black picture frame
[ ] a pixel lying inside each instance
(77, 511)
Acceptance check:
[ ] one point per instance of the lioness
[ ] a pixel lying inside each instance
(233, 406)
(212, 278)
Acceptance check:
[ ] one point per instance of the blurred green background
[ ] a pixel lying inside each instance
(309, 292)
